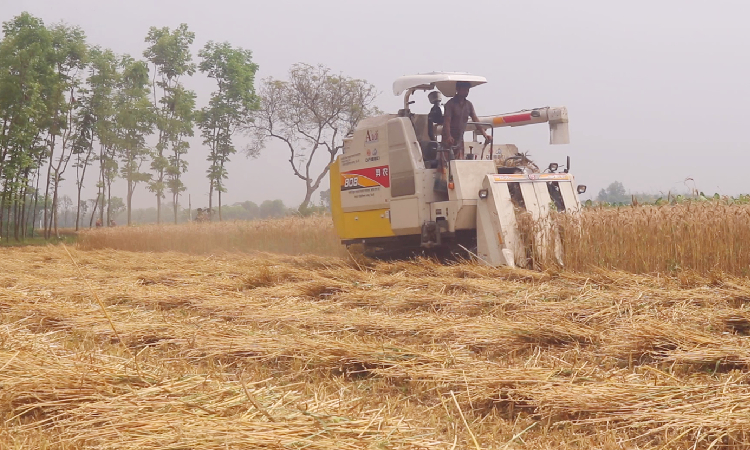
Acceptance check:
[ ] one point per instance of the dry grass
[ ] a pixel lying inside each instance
(290, 235)
(261, 351)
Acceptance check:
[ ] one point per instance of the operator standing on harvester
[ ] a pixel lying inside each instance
(458, 110)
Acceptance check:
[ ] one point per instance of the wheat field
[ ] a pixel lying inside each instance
(289, 235)
(702, 237)
(125, 343)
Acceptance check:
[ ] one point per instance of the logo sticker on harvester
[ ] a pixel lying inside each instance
(366, 178)
(371, 136)
(372, 155)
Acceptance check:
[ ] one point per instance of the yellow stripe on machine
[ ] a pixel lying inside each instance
(365, 224)
(359, 224)
(498, 120)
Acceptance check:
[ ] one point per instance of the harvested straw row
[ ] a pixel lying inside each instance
(640, 405)
(95, 401)
(587, 358)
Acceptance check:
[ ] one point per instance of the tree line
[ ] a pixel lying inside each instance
(616, 194)
(72, 110)
(246, 210)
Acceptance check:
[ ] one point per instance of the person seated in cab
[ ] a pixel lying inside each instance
(458, 110)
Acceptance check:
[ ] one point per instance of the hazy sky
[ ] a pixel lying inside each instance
(657, 91)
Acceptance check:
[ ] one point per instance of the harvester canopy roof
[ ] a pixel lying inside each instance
(445, 82)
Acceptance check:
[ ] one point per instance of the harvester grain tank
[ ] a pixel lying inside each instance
(396, 187)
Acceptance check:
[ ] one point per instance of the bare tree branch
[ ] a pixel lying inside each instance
(314, 108)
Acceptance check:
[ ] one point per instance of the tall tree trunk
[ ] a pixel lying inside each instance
(25, 213)
(220, 186)
(79, 186)
(15, 215)
(9, 202)
(308, 196)
(28, 201)
(78, 207)
(109, 203)
(19, 212)
(2, 210)
(54, 211)
(46, 189)
(16, 221)
(22, 212)
(210, 197)
(102, 179)
(158, 209)
(36, 202)
(175, 203)
(79, 181)
(93, 213)
(131, 188)
(29, 211)
(219, 203)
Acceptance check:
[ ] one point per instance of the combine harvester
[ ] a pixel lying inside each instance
(395, 188)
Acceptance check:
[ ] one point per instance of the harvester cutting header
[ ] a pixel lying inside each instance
(410, 180)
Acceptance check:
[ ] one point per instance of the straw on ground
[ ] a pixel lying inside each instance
(267, 351)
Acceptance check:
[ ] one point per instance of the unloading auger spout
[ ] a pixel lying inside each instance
(556, 116)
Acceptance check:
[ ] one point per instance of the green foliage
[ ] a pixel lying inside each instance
(325, 199)
(30, 101)
(135, 118)
(99, 105)
(63, 102)
(246, 210)
(669, 199)
(229, 108)
(272, 208)
(169, 52)
(614, 193)
(26, 95)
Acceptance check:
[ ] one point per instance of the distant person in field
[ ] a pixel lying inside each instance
(458, 110)
(200, 216)
(112, 223)
(98, 223)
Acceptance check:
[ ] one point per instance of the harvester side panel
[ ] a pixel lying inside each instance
(365, 179)
(374, 223)
(403, 156)
(411, 183)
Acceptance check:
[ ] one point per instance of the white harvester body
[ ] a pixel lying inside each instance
(395, 188)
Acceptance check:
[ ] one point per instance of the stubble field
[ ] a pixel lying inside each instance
(115, 349)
